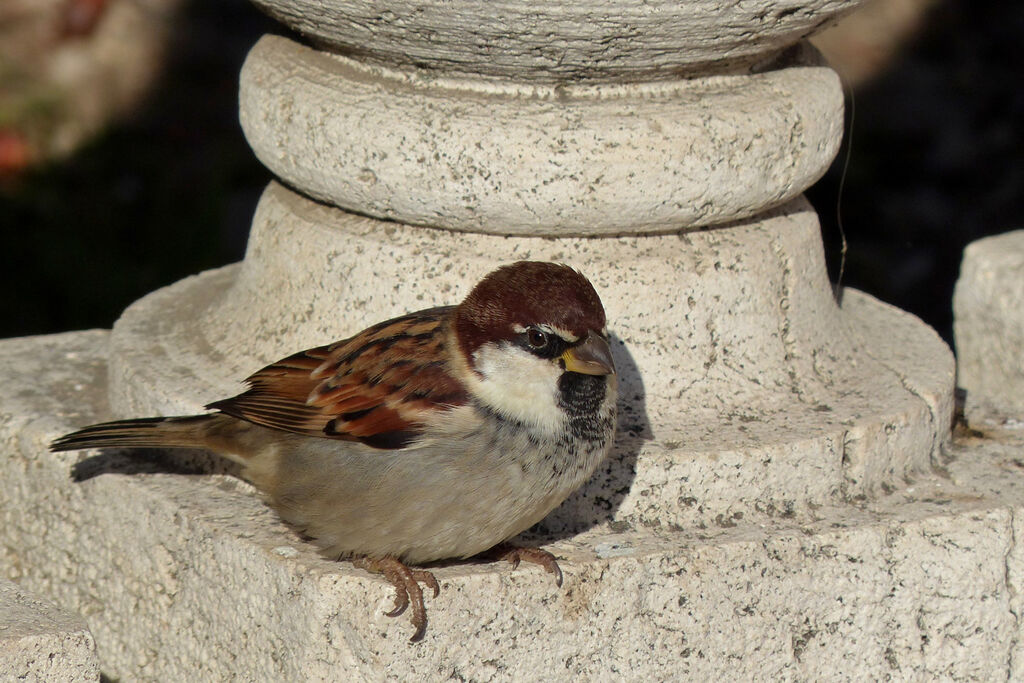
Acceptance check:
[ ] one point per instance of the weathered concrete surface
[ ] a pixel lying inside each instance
(557, 41)
(41, 642)
(745, 391)
(504, 157)
(185, 577)
(989, 324)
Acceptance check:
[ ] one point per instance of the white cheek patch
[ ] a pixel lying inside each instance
(518, 385)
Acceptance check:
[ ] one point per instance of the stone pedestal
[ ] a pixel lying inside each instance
(754, 518)
(746, 391)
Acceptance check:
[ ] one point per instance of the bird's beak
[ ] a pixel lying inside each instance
(590, 357)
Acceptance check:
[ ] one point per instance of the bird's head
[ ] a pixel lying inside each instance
(533, 334)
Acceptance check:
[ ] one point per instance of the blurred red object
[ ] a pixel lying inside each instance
(79, 17)
(15, 153)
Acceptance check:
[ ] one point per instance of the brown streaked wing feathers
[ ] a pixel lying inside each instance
(376, 387)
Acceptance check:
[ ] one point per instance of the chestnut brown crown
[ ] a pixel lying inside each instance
(527, 293)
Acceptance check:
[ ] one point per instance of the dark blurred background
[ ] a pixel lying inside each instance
(162, 184)
(163, 189)
(937, 154)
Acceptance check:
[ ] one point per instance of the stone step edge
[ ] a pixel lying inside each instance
(40, 641)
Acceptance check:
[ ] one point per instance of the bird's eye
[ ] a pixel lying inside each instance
(536, 339)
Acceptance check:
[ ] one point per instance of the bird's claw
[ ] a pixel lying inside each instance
(401, 602)
(407, 589)
(536, 556)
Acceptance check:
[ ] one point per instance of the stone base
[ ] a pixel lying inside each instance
(185, 577)
(40, 642)
(745, 391)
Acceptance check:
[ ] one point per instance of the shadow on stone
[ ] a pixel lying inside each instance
(152, 461)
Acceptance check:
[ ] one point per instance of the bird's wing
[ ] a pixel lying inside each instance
(378, 387)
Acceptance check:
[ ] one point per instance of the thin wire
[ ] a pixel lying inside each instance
(838, 287)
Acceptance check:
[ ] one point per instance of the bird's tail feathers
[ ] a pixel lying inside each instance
(144, 432)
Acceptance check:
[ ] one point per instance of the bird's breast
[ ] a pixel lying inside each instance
(475, 479)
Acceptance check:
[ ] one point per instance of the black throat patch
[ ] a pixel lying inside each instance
(581, 397)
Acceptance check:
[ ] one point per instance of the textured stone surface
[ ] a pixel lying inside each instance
(503, 157)
(746, 392)
(185, 577)
(40, 642)
(988, 308)
(557, 41)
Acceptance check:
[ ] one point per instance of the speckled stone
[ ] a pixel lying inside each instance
(988, 308)
(512, 158)
(558, 41)
(185, 577)
(40, 642)
(746, 392)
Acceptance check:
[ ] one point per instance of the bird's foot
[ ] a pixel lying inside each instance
(515, 555)
(407, 588)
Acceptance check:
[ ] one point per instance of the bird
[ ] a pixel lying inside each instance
(437, 435)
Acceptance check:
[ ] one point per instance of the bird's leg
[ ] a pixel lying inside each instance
(515, 555)
(407, 588)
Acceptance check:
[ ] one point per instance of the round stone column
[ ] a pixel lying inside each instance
(659, 147)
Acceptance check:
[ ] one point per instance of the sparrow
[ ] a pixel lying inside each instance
(436, 435)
